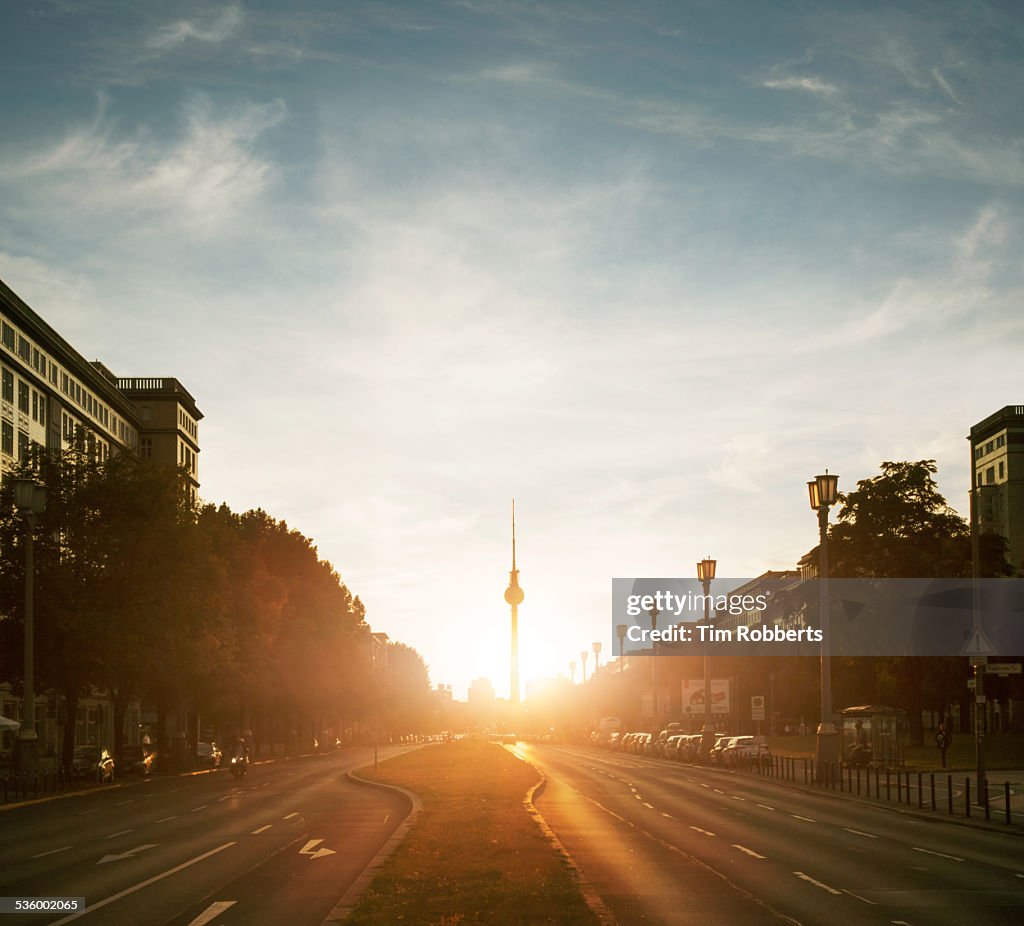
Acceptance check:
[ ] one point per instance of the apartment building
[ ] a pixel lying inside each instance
(997, 457)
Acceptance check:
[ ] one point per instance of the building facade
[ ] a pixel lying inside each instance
(997, 475)
(52, 399)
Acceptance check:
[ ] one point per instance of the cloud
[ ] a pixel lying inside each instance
(807, 84)
(205, 175)
(211, 29)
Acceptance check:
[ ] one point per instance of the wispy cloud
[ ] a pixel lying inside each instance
(212, 28)
(806, 84)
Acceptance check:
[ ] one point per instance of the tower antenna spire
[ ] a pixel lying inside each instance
(514, 598)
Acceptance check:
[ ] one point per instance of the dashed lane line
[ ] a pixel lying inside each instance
(955, 858)
(168, 819)
(648, 805)
(294, 813)
(805, 819)
(859, 833)
(699, 830)
(65, 849)
(262, 829)
(765, 807)
(122, 803)
(212, 912)
(820, 884)
(120, 833)
(201, 807)
(749, 852)
(670, 817)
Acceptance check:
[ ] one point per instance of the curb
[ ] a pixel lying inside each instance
(590, 896)
(351, 897)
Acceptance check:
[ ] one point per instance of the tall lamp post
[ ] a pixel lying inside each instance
(823, 492)
(596, 647)
(30, 500)
(620, 631)
(706, 572)
(572, 671)
(583, 663)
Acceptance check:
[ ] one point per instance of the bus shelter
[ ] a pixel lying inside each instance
(874, 736)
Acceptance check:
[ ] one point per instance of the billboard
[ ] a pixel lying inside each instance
(693, 696)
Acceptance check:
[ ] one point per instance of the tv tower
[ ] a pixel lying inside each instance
(514, 596)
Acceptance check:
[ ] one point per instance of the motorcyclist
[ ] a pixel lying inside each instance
(242, 753)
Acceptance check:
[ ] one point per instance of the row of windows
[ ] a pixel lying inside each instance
(20, 346)
(186, 423)
(984, 449)
(990, 474)
(7, 441)
(29, 400)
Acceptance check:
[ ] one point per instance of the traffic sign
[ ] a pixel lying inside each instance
(757, 707)
(1003, 668)
(977, 645)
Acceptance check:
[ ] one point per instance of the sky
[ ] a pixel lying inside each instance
(645, 267)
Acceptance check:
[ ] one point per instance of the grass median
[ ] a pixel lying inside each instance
(474, 856)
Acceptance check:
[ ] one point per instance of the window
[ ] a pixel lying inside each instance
(23, 445)
(146, 448)
(22, 397)
(24, 349)
(1002, 469)
(8, 386)
(7, 440)
(7, 337)
(990, 475)
(53, 374)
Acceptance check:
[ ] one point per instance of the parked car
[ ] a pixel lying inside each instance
(94, 763)
(673, 745)
(138, 760)
(722, 741)
(745, 750)
(208, 755)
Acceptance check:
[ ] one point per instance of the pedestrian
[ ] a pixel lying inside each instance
(943, 739)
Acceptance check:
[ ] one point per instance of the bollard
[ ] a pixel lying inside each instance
(932, 775)
(967, 797)
(949, 793)
(1006, 799)
(849, 779)
(858, 781)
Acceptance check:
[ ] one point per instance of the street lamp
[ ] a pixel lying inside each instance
(822, 491)
(596, 646)
(583, 663)
(706, 572)
(620, 632)
(30, 500)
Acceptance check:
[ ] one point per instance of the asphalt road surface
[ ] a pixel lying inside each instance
(281, 845)
(665, 843)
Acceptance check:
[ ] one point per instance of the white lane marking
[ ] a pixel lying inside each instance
(749, 852)
(670, 817)
(859, 833)
(93, 907)
(65, 849)
(955, 858)
(811, 880)
(122, 833)
(704, 785)
(1020, 876)
(806, 819)
(765, 807)
(84, 812)
(131, 853)
(295, 814)
(735, 798)
(168, 819)
(872, 902)
(226, 797)
(387, 817)
(197, 809)
(262, 829)
(699, 830)
(718, 791)
(212, 912)
(122, 803)
(648, 805)
(174, 790)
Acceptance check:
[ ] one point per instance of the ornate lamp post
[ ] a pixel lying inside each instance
(706, 572)
(596, 646)
(30, 500)
(823, 492)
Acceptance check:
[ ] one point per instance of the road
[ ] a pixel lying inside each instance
(664, 843)
(281, 845)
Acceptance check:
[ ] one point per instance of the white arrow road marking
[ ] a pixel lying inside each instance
(93, 907)
(309, 847)
(811, 880)
(749, 852)
(128, 854)
(212, 912)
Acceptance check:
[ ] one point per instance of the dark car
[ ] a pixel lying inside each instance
(94, 763)
(137, 759)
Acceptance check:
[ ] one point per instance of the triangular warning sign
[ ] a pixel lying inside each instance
(978, 644)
